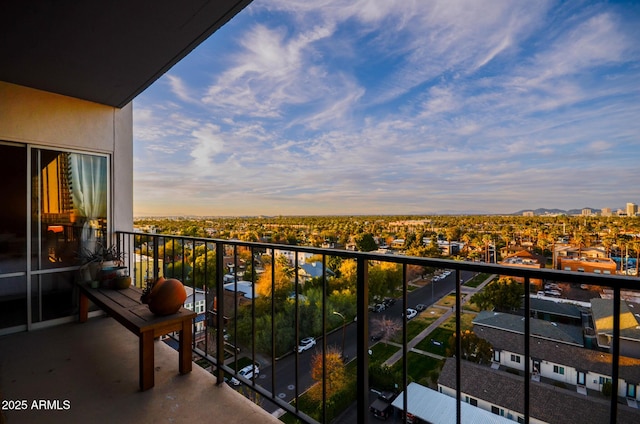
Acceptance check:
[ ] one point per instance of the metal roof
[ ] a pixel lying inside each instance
(435, 407)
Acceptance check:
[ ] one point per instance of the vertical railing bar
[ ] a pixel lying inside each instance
(156, 259)
(273, 321)
(458, 350)
(324, 338)
(193, 288)
(362, 395)
(219, 308)
(297, 330)
(236, 303)
(206, 295)
(613, 417)
(527, 349)
(405, 352)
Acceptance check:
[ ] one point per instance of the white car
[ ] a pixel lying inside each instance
(306, 344)
(249, 371)
(411, 313)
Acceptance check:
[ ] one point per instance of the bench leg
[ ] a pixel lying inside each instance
(146, 360)
(186, 338)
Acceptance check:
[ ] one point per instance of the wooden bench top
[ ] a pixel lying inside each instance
(125, 306)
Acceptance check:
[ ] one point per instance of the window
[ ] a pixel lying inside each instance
(473, 401)
(521, 420)
(558, 370)
(515, 358)
(495, 410)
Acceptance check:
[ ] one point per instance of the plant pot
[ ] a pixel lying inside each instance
(121, 282)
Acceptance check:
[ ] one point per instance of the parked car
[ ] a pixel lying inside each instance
(421, 307)
(553, 293)
(377, 336)
(388, 301)
(411, 313)
(249, 372)
(381, 407)
(306, 344)
(379, 307)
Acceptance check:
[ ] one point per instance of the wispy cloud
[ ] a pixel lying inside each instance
(397, 107)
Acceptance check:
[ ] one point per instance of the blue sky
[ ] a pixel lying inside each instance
(397, 107)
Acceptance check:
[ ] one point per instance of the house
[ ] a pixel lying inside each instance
(559, 312)
(585, 370)
(525, 259)
(196, 301)
(586, 264)
(430, 406)
(540, 329)
(602, 311)
(502, 393)
(308, 271)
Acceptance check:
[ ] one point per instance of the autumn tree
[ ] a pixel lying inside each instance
(278, 280)
(335, 375)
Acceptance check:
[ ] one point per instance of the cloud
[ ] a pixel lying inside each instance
(389, 107)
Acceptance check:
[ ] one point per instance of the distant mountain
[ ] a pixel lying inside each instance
(544, 211)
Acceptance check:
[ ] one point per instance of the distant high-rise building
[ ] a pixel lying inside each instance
(586, 211)
(527, 213)
(632, 209)
(606, 212)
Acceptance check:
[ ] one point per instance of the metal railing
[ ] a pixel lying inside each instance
(151, 255)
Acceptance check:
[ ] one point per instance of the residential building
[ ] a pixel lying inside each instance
(602, 310)
(525, 259)
(585, 264)
(502, 393)
(585, 370)
(528, 213)
(310, 270)
(606, 212)
(631, 209)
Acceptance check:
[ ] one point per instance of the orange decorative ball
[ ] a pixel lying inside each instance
(165, 297)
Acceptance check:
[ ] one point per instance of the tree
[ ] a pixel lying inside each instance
(365, 242)
(281, 281)
(204, 271)
(504, 295)
(334, 373)
(473, 348)
(384, 327)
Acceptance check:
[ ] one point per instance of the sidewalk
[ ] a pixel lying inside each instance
(467, 292)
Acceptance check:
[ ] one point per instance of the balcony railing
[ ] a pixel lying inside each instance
(253, 334)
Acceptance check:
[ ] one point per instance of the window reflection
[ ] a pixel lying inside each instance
(69, 206)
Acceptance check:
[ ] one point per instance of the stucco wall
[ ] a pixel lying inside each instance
(50, 120)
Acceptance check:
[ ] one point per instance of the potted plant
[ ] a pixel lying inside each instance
(102, 264)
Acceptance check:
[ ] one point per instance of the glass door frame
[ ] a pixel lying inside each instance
(32, 276)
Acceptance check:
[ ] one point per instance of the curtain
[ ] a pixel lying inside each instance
(89, 194)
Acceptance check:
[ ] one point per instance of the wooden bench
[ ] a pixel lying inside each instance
(126, 308)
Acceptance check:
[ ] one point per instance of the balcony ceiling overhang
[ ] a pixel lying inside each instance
(104, 51)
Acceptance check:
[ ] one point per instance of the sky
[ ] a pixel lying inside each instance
(339, 107)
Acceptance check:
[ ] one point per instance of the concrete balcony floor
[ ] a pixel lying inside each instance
(94, 366)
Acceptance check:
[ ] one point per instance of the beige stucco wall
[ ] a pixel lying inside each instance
(45, 119)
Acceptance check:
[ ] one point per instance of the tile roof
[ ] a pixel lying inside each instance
(547, 403)
(562, 333)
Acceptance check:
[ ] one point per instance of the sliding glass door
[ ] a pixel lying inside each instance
(58, 207)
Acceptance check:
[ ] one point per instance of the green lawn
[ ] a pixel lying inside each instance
(381, 352)
(440, 335)
(418, 366)
(477, 280)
